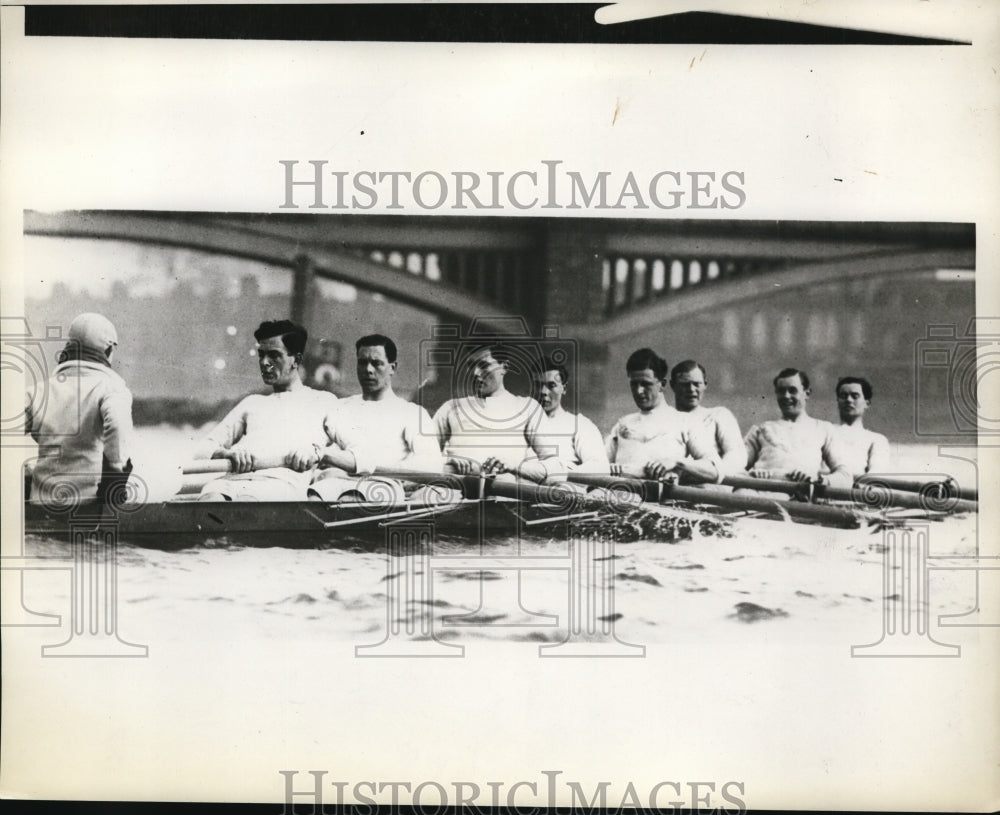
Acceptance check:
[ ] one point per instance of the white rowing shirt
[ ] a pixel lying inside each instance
(721, 426)
(502, 425)
(272, 426)
(386, 432)
(804, 444)
(863, 450)
(661, 433)
(578, 441)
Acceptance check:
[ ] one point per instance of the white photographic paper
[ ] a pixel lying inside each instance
(245, 676)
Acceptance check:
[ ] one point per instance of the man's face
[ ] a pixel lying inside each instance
(487, 373)
(851, 402)
(791, 396)
(549, 390)
(688, 388)
(375, 372)
(647, 390)
(277, 367)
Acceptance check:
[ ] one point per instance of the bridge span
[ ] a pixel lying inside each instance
(745, 297)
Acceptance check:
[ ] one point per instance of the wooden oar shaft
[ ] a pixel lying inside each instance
(697, 495)
(947, 485)
(882, 496)
(836, 516)
(644, 489)
(801, 489)
(648, 490)
(563, 494)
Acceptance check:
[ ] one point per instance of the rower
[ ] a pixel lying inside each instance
(796, 445)
(269, 438)
(864, 450)
(493, 430)
(85, 420)
(689, 381)
(376, 428)
(659, 439)
(579, 442)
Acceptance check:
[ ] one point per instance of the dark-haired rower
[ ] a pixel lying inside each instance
(377, 428)
(658, 439)
(580, 445)
(494, 430)
(796, 446)
(863, 450)
(270, 438)
(688, 381)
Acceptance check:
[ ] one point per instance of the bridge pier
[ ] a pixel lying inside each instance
(574, 293)
(304, 292)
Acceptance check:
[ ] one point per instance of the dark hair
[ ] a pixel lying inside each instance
(646, 358)
(292, 336)
(494, 348)
(372, 340)
(686, 366)
(786, 373)
(866, 386)
(549, 364)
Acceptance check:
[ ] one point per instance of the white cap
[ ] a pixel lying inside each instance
(93, 331)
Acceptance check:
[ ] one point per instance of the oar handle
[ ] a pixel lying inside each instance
(748, 482)
(209, 466)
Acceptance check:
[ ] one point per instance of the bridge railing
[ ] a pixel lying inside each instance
(634, 280)
(503, 277)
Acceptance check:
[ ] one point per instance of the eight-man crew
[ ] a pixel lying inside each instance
(493, 430)
(689, 381)
(273, 440)
(376, 428)
(795, 446)
(270, 438)
(864, 450)
(579, 442)
(658, 439)
(85, 425)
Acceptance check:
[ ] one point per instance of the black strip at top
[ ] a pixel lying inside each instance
(434, 22)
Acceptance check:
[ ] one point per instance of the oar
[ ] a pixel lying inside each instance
(207, 466)
(880, 497)
(631, 491)
(210, 466)
(478, 486)
(833, 516)
(945, 487)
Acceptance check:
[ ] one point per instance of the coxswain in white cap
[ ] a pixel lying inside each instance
(82, 419)
(92, 337)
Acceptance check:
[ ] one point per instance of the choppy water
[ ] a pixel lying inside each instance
(763, 575)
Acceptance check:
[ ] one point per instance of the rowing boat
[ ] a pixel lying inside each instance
(468, 509)
(479, 510)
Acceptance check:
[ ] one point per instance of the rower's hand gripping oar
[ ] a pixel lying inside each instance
(210, 466)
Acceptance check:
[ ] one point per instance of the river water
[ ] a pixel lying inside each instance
(255, 665)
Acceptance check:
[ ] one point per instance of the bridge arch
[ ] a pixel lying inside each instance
(471, 286)
(688, 287)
